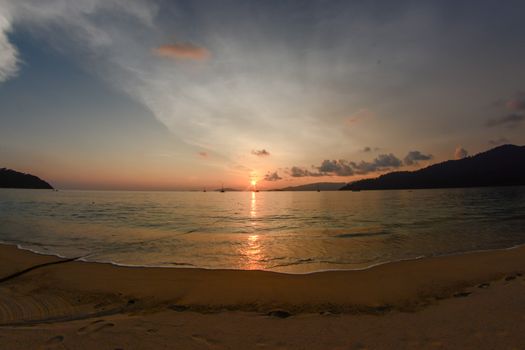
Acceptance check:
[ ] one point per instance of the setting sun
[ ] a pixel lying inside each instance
(253, 182)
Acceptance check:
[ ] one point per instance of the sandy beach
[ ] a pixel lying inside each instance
(463, 301)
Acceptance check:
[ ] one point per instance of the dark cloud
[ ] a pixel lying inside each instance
(272, 176)
(367, 149)
(460, 153)
(182, 50)
(203, 154)
(296, 171)
(382, 162)
(414, 156)
(347, 168)
(336, 167)
(500, 141)
(260, 152)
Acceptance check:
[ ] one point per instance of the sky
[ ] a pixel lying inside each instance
(132, 94)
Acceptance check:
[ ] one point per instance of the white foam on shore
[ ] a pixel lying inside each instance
(84, 259)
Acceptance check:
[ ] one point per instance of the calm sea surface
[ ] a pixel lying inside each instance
(281, 231)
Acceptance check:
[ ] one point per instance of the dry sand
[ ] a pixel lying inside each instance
(469, 301)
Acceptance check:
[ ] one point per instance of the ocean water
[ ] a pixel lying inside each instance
(295, 232)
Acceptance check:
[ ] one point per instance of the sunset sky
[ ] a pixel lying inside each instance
(130, 94)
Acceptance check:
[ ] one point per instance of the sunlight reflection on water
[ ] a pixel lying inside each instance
(282, 231)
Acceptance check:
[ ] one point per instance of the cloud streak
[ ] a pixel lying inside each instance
(508, 120)
(8, 53)
(260, 152)
(182, 51)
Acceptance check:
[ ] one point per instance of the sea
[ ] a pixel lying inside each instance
(291, 232)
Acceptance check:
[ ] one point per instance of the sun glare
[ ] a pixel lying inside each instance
(253, 182)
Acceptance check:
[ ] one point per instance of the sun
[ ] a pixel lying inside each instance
(253, 182)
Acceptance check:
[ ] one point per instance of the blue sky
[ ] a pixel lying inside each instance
(187, 94)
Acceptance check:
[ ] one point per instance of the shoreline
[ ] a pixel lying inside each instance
(83, 259)
(383, 286)
(466, 301)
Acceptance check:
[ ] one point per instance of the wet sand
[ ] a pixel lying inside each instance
(474, 300)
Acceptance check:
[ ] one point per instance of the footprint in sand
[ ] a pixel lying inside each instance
(211, 344)
(54, 342)
(95, 326)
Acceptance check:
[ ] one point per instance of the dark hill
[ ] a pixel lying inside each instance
(321, 186)
(500, 166)
(14, 179)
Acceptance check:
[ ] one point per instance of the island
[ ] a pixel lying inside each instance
(14, 179)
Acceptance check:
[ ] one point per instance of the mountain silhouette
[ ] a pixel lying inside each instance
(14, 179)
(321, 186)
(500, 166)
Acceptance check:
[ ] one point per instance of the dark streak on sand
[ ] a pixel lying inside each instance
(20, 273)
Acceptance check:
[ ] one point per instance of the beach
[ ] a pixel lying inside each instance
(471, 300)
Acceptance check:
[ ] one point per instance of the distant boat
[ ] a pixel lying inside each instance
(318, 189)
(222, 189)
(204, 190)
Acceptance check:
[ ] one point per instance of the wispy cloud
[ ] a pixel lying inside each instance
(517, 103)
(8, 53)
(260, 152)
(182, 50)
(358, 116)
(203, 154)
(499, 141)
(515, 115)
(508, 120)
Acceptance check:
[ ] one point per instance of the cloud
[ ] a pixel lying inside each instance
(509, 120)
(499, 141)
(361, 114)
(516, 114)
(272, 176)
(460, 153)
(183, 50)
(381, 163)
(296, 171)
(260, 152)
(334, 167)
(203, 154)
(414, 156)
(8, 53)
(368, 149)
(517, 103)
(348, 168)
